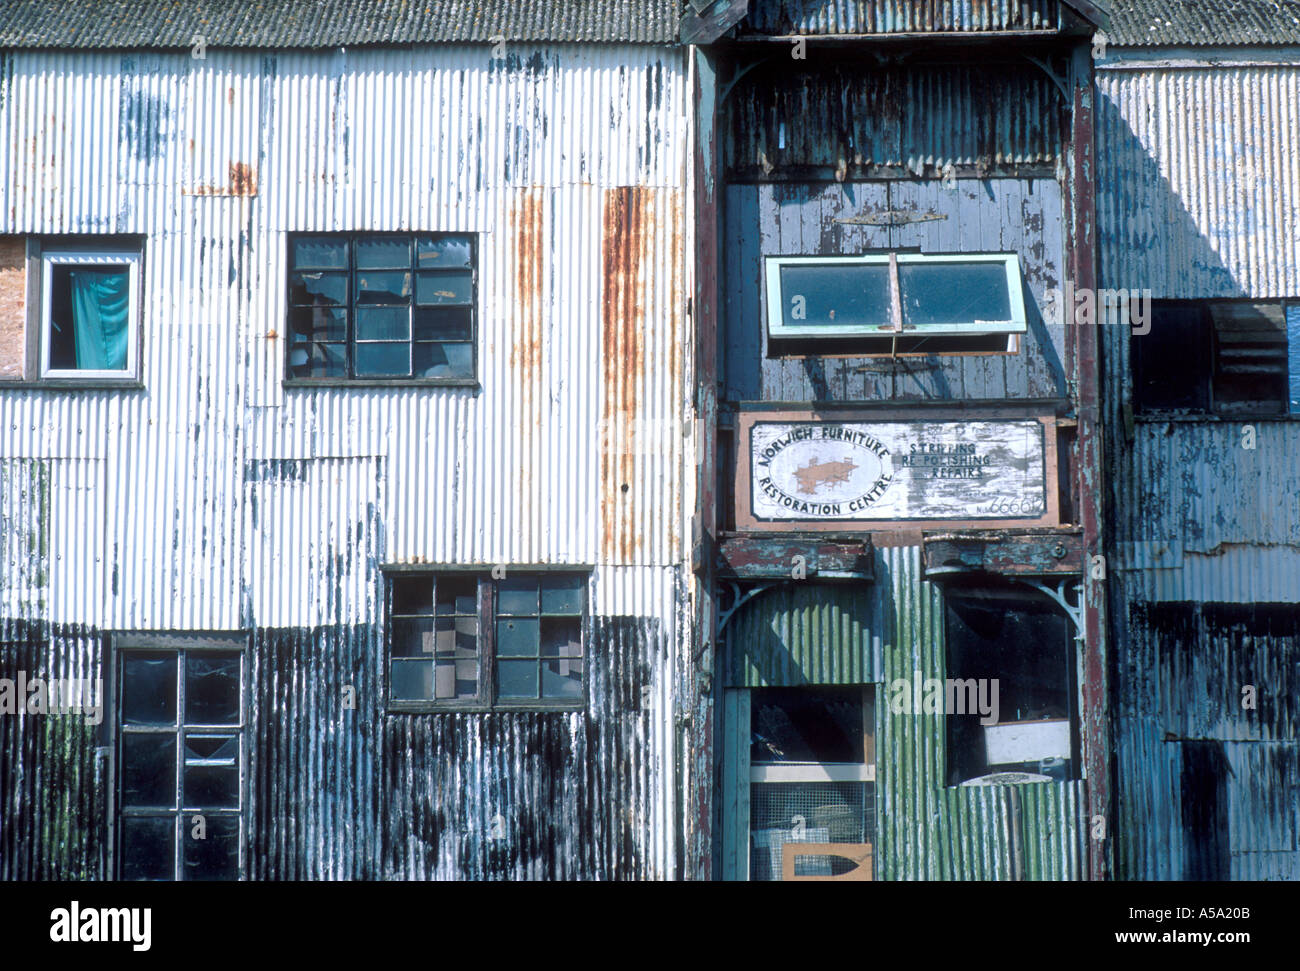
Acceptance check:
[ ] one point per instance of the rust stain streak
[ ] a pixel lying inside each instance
(527, 230)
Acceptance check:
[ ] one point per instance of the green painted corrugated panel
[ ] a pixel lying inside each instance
(805, 633)
(927, 830)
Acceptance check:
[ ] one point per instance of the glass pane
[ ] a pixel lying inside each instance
(824, 294)
(412, 595)
(318, 361)
(148, 689)
(318, 289)
(383, 323)
(466, 678)
(444, 323)
(561, 637)
(148, 770)
(518, 637)
(516, 679)
(384, 252)
(411, 680)
(444, 679)
(823, 724)
(89, 317)
(216, 856)
(212, 689)
(954, 293)
(212, 748)
(444, 360)
(457, 595)
(211, 787)
(562, 679)
(148, 848)
(564, 595)
(381, 286)
(451, 251)
(384, 360)
(318, 324)
(320, 253)
(517, 595)
(413, 638)
(445, 636)
(432, 289)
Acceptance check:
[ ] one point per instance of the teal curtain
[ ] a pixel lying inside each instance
(101, 300)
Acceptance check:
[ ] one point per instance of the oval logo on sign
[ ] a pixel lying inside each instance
(826, 471)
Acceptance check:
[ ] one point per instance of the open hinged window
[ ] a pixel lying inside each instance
(885, 303)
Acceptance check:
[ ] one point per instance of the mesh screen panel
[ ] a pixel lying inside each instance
(807, 812)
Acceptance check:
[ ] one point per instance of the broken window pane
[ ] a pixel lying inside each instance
(318, 361)
(212, 689)
(148, 769)
(148, 689)
(383, 252)
(821, 724)
(148, 848)
(212, 787)
(381, 286)
(319, 253)
(1171, 365)
(954, 293)
(433, 289)
(443, 323)
(318, 324)
(316, 289)
(1009, 688)
(216, 856)
(517, 637)
(443, 360)
(443, 251)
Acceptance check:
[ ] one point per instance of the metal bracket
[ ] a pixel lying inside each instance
(1057, 79)
(739, 600)
(1057, 594)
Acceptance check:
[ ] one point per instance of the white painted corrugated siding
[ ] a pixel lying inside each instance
(156, 519)
(1198, 189)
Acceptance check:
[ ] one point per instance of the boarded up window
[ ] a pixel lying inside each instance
(13, 306)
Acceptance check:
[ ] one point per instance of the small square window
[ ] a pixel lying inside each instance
(382, 307)
(468, 640)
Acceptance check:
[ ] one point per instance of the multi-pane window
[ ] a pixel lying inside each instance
(179, 758)
(468, 640)
(382, 307)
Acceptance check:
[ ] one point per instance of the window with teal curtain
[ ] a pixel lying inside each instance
(90, 314)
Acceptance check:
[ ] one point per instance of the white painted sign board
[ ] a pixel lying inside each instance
(828, 472)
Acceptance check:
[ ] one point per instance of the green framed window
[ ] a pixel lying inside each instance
(883, 295)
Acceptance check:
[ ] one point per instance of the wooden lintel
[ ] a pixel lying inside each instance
(775, 557)
(1029, 553)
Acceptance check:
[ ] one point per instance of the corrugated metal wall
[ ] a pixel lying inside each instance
(925, 829)
(215, 498)
(1199, 198)
(930, 831)
(900, 16)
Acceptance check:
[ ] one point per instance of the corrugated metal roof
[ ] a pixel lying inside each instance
(1204, 23)
(122, 24)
